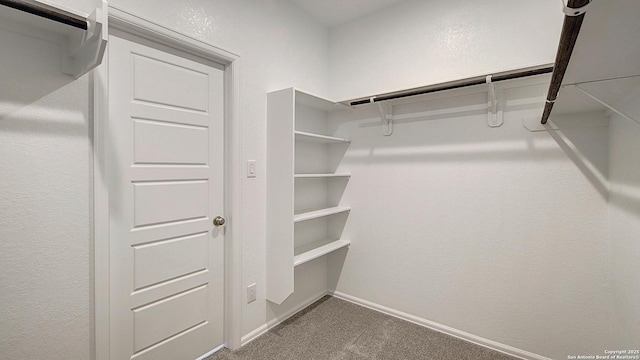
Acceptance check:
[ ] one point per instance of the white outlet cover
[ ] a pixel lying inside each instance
(251, 293)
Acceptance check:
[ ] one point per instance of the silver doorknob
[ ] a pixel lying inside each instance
(218, 221)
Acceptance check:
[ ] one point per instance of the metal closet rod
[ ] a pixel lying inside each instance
(574, 14)
(45, 13)
(478, 80)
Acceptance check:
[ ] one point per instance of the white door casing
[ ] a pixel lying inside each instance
(165, 171)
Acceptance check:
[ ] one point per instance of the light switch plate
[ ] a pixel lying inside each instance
(251, 168)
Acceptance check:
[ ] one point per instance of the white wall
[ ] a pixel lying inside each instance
(501, 233)
(497, 232)
(45, 192)
(417, 43)
(624, 223)
(45, 148)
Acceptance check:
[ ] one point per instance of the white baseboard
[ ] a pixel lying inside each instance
(277, 321)
(211, 352)
(493, 345)
(254, 334)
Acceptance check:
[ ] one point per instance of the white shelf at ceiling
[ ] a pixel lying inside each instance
(312, 176)
(606, 47)
(605, 61)
(320, 213)
(317, 249)
(306, 136)
(83, 50)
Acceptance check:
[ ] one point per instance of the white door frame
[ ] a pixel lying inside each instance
(124, 21)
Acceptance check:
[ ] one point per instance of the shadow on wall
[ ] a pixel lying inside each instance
(454, 129)
(335, 264)
(31, 71)
(625, 176)
(595, 171)
(627, 197)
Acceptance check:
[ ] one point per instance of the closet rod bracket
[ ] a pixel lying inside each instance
(493, 118)
(570, 11)
(386, 116)
(85, 50)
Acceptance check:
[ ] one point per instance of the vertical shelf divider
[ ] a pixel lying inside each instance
(280, 188)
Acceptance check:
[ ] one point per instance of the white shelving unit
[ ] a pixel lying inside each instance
(304, 214)
(82, 49)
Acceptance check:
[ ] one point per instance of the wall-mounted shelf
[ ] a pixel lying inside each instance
(604, 67)
(320, 176)
(305, 136)
(309, 215)
(301, 145)
(83, 39)
(317, 249)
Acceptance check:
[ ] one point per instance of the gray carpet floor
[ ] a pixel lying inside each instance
(333, 329)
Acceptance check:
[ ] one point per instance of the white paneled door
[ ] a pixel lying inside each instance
(165, 164)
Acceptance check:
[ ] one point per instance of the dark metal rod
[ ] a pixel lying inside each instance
(568, 37)
(455, 85)
(45, 13)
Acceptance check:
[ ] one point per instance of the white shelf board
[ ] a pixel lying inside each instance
(316, 102)
(320, 213)
(312, 176)
(614, 92)
(317, 249)
(604, 63)
(306, 136)
(605, 47)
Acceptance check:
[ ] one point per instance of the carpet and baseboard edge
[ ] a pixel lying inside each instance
(490, 344)
(277, 321)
